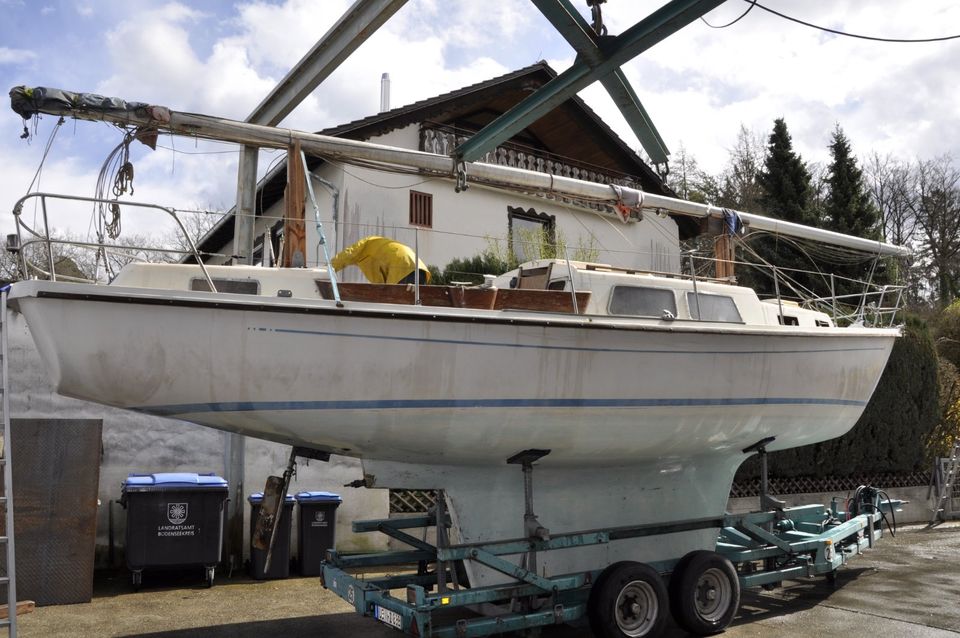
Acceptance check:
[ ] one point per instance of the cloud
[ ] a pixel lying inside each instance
(700, 84)
(16, 56)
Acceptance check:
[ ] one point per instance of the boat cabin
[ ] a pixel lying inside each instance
(538, 286)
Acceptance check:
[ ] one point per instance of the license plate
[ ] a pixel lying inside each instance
(388, 617)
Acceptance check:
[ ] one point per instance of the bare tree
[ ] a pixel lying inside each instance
(819, 176)
(739, 188)
(890, 181)
(937, 210)
(197, 224)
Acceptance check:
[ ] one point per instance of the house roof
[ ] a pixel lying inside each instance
(471, 108)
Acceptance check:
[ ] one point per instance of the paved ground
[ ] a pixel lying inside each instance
(906, 586)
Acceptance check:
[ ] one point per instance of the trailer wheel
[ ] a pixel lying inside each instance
(704, 593)
(629, 600)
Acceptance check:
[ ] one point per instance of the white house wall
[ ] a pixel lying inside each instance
(378, 203)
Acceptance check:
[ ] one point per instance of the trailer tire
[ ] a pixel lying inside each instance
(629, 600)
(704, 593)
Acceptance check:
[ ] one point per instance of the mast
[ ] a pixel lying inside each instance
(162, 119)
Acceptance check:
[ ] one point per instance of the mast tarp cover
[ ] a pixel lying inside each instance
(27, 102)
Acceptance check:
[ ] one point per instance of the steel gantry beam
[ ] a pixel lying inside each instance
(356, 25)
(575, 30)
(359, 22)
(656, 27)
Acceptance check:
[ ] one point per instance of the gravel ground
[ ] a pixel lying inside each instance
(906, 586)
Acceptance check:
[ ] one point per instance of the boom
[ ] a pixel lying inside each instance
(149, 118)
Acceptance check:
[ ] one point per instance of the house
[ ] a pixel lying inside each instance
(355, 201)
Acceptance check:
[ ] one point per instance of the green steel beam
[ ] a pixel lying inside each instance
(497, 625)
(575, 30)
(375, 525)
(382, 558)
(656, 27)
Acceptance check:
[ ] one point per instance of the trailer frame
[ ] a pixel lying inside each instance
(765, 547)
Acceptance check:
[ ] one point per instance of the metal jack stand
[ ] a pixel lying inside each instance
(274, 495)
(531, 526)
(767, 502)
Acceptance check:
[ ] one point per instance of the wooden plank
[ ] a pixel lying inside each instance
(436, 296)
(294, 229)
(540, 300)
(459, 297)
(23, 607)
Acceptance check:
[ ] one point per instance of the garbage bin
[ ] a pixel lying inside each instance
(316, 529)
(174, 520)
(280, 558)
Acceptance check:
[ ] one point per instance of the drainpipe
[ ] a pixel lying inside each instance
(335, 195)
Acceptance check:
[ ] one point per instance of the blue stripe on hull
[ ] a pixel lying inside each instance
(420, 404)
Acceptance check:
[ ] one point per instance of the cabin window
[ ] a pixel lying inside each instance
(235, 286)
(713, 307)
(529, 233)
(822, 324)
(787, 320)
(558, 284)
(421, 209)
(644, 302)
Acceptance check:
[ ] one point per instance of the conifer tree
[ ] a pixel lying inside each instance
(785, 180)
(784, 193)
(848, 209)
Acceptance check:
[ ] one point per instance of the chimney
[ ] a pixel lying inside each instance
(384, 92)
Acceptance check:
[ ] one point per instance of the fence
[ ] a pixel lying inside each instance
(411, 501)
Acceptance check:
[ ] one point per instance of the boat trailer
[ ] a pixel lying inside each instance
(701, 589)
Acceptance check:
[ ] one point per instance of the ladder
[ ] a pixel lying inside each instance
(8, 579)
(948, 470)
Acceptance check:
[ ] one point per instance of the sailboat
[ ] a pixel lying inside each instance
(647, 389)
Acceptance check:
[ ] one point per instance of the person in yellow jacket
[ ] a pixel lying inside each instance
(382, 261)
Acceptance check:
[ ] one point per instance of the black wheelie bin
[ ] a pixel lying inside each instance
(174, 521)
(316, 529)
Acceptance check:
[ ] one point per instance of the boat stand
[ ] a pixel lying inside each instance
(764, 547)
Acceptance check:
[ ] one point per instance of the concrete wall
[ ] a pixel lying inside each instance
(134, 442)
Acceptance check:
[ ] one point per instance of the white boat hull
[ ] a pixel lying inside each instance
(430, 386)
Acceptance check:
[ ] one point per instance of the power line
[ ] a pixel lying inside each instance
(844, 33)
(753, 3)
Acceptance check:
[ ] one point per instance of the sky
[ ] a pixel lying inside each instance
(699, 86)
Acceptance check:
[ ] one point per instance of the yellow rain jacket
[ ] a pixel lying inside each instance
(382, 260)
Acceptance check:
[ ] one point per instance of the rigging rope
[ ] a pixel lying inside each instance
(116, 174)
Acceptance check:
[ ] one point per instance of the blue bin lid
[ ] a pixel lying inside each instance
(257, 497)
(175, 479)
(318, 497)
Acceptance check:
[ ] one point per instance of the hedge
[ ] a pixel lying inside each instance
(892, 433)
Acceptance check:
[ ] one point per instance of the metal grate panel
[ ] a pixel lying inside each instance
(55, 480)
